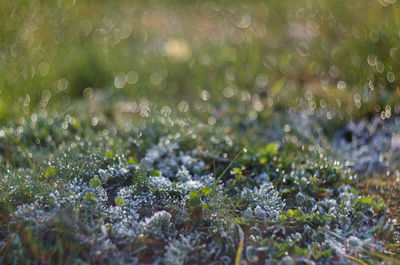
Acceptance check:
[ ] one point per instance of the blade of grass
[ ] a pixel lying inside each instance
(25, 151)
(226, 169)
(215, 172)
(387, 258)
(240, 247)
(355, 259)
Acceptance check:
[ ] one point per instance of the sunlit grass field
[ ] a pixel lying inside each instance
(199, 132)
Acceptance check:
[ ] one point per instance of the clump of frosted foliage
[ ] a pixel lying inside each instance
(159, 225)
(191, 249)
(265, 202)
(167, 157)
(183, 174)
(180, 251)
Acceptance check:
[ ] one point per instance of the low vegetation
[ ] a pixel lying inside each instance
(199, 132)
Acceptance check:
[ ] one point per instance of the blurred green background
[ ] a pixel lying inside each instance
(336, 59)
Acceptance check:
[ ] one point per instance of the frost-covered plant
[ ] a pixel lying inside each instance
(172, 162)
(192, 249)
(264, 202)
(158, 226)
(180, 251)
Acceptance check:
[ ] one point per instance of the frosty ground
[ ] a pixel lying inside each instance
(174, 191)
(199, 132)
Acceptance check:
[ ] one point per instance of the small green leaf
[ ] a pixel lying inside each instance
(49, 172)
(282, 218)
(77, 124)
(194, 194)
(206, 191)
(269, 150)
(194, 199)
(132, 161)
(119, 201)
(89, 196)
(155, 173)
(204, 206)
(110, 229)
(236, 170)
(109, 154)
(94, 182)
(241, 220)
(365, 200)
